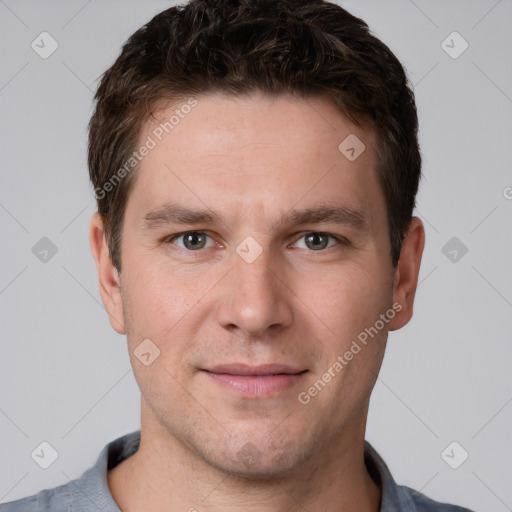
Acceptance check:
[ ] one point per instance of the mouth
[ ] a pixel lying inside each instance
(255, 381)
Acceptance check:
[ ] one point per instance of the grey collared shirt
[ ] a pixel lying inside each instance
(90, 492)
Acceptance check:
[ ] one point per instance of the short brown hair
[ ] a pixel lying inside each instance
(238, 47)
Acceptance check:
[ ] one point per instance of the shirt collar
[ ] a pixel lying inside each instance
(392, 497)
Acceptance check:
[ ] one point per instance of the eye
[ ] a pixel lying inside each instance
(191, 240)
(317, 241)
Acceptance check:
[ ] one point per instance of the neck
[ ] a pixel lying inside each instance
(166, 475)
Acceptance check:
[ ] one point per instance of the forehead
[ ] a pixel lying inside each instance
(235, 150)
(223, 121)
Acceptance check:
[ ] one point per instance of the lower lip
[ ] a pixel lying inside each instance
(258, 386)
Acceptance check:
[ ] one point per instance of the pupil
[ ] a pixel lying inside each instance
(193, 240)
(313, 239)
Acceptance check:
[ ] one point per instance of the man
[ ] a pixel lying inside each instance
(255, 165)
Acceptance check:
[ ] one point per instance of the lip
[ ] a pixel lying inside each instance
(255, 381)
(246, 370)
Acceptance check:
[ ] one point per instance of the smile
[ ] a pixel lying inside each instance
(255, 381)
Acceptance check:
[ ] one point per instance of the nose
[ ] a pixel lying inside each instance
(255, 297)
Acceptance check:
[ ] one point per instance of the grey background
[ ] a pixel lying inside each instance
(66, 376)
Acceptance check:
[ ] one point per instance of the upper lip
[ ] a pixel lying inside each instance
(264, 369)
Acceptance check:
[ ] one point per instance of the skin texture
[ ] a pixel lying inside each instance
(203, 446)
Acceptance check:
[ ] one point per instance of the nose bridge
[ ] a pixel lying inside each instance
(254, 274)
(254, 298)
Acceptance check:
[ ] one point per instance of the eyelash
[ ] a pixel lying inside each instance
(339, 240)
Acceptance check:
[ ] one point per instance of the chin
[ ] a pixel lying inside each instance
(262, 470)
(257, 460)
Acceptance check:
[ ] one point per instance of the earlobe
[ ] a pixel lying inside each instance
(108, 276)
(406, 273)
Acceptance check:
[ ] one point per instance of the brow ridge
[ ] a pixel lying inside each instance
(173, 213)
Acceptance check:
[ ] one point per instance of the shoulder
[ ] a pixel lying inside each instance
(414, 501)
(90, 492)
(47, 500)
(400, 498)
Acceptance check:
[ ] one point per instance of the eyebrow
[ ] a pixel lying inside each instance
(176, 214)
(335, 214)
(172, 213)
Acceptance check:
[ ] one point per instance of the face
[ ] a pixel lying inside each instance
(255, 257)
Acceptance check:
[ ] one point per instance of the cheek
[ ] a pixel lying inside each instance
(156, 305)
(166, 307)
(351, 300)
(159, 297)
(351, 303)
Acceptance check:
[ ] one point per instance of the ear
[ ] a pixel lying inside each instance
(406, 273)
(108, 277)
